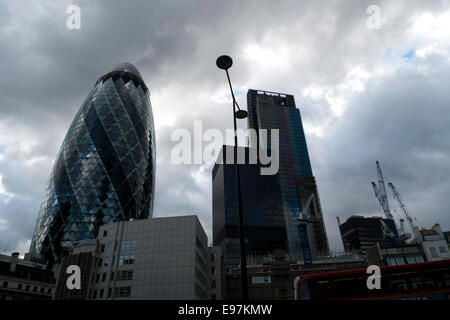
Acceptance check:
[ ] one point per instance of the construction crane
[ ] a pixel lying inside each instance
(387, 233)
(304, 217)
(402, 206)
(380, 193)
(403, 235)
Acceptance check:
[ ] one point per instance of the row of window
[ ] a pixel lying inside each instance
(121, 275)
(124, 260)
(20, 286)
(434, 252)
(397, 261)
(128, 244)
(118, 292)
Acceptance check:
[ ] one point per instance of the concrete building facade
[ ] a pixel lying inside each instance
(433, 242)
(148, 259)
(25, 280)
(392, 255)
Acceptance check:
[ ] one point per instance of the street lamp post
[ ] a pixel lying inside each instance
(224, 63)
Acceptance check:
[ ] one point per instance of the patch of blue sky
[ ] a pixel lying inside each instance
(410, 54)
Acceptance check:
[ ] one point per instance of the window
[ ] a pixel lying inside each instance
(391, 261)
(417, 283)
(104, 277)
(410, 260)
(100, 262)
(419, 259)
(319, 289)
(42, 289)
(128, 244)
(49, 290)
(101, 293)
(399, 260)
(105, 233)
(95, 294)
(34, 289)
(125, 260)
(112, 276)
(19, 286)
(27, 287)
(398, 284)
(124, 275)
(442, 249)
(213, 257)
(5, 284)
(213, 284)
(349, 286)
(103, 248)
(213, 271)
(433, 252)
(122, 291)
(97, 278)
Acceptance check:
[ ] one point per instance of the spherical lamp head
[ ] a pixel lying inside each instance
(224, 62)
(241, 114)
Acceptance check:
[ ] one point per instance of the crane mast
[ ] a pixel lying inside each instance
(380, 193)
(304, 217)
(402, 206)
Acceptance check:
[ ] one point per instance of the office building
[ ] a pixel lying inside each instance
(150, 259)
(426, 245)
(447, 237)
(269, 110)
(361, 233)
(217, 267)
(264, 224)
(105, 169)
(395, 254)
(21, 279)
(433, 243)
(85, 254)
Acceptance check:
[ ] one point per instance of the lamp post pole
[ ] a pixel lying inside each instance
(225, 62)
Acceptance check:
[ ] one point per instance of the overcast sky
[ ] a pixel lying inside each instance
(364, 94)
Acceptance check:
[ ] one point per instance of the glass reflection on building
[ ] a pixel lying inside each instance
(105, 169)
(262, 206)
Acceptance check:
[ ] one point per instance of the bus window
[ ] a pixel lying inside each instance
(304, 291)
(417, 283)
(440, 277)
(398, 282)
(429, 282)
(319, 289)
(350, 287)
(447, 279)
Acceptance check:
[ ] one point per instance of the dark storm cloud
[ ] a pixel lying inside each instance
(402, 122)
(287, 46)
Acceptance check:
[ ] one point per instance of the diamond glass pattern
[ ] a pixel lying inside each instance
(105, 169)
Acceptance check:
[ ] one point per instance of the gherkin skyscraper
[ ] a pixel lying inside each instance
(105, 169)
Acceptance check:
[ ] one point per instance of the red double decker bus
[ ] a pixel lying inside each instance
(420, 281)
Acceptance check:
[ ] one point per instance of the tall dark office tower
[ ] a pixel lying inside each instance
(105, 169)
(362, 233)
(269, 110)
(262, 205)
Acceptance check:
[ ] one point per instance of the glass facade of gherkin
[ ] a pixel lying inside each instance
(105, 169)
